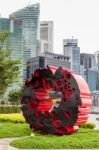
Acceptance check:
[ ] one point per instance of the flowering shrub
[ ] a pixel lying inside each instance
(15, 117)
(89, 125)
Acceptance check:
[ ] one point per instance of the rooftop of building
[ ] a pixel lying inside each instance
(46, 22)
(4, 18)
(54, 56)
(86, 54)
(35, 6)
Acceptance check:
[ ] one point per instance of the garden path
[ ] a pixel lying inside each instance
(4, 144)
(92, 118)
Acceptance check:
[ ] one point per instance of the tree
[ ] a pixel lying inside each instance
(14, 96)
(3, 36)
(9, 69)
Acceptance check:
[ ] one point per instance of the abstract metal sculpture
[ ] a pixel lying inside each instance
(55, 100)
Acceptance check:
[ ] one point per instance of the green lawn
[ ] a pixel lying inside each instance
(14, 129)
(84, 138)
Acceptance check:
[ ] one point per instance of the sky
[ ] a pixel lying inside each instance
(72, 18)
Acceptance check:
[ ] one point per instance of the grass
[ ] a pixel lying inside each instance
(8, 129)
(84, 138)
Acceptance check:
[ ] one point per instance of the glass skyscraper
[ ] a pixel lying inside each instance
(71, 49)
(5, 26)
(16, 43)
(30, 32)
(16, 38)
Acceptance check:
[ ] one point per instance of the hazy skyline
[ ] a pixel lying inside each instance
(77, 18)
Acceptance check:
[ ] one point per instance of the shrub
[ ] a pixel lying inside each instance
(89, 125)
(6, 109)
(2, 102)
(97, 119)
(15, 118)
(14, 96)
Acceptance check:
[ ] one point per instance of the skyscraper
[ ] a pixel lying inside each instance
(97, 62)
(5, 26)
(88, 62)
(90, 69)
(92, 79)
(71, 49)
(29, 17)
(16, 38)
(97, 59)
(46, 36)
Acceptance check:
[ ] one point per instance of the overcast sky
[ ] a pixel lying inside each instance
(77, 18)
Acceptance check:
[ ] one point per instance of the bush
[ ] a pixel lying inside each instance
(15, 118)
(97, 119)
(89, 125)
(14, 96)
(2, 102)
(6, 109)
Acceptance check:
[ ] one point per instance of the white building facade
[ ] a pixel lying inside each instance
(46, 36)
(71, 49)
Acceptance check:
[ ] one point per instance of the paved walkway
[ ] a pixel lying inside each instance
(92, 118)
(4, 144)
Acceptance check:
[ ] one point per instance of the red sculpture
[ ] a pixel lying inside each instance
(56, 100)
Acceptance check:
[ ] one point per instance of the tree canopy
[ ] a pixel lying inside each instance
(14, 96)
(9, 68)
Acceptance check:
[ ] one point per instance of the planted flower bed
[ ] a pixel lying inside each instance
(15, 118)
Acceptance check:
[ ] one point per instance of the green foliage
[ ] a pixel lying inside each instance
(9, 68)
(9, 129)
(97, 119)
(83, 139)
(15, 118)
(6, 109)
(3, 36)
(2, 102)
(14, 96)
(89, 125)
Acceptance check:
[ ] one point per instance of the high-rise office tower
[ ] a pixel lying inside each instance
(97, 59)
(97, 62)
(46, 36)
(71, 49)
(29, 18)
(14, 43)
(88, 61)
(16, 38)
(90, 69)
(5, 26)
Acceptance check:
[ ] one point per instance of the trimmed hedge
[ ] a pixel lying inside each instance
(15, 118)
(6, 109)
(89, 125)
